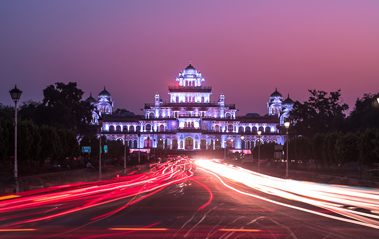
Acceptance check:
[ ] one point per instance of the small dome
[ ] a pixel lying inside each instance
(90, 99)
(190, 67)
(104, 93)
(276, 94)
(190, 70)
(288, 101)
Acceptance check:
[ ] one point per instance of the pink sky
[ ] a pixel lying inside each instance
(244, 49)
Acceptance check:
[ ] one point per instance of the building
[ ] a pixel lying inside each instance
(190, 120)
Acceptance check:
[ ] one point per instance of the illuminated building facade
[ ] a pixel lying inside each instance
(189, 120)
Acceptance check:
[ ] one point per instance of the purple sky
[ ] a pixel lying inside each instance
(244, 49)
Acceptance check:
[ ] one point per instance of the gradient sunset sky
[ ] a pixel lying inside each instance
(244, 49)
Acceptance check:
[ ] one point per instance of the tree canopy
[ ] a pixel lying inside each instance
(323, 112)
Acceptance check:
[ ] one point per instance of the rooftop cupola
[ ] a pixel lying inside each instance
(190, 77)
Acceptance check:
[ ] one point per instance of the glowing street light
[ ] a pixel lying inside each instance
(259, 148)
(124, 129)
(16, 95)
(100, 120)
(287, 125)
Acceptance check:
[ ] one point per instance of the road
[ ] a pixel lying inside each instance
(180, 200)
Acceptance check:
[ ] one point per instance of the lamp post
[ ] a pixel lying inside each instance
(101, 126)
(154, 146)
(287, 125)
(148, 148)
(139, 148)
(259, 149)
(124, 129)
(224, 149)
(16, 95)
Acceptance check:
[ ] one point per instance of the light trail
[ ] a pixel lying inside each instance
(338, 199)
(63, 200)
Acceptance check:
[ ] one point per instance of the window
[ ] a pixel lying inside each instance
(148, 127)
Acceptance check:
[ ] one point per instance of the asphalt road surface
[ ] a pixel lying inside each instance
(180, 200)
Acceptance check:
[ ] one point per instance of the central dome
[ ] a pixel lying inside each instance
(190, 70)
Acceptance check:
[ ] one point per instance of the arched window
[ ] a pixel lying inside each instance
(228, 116)
(151, 115)
(247, 129)
(185, 124)
(230, 128)
(125, 128)
(161, 128)
(217, 128)
(240, 129)
(177, 99)
(202, 99)
(203, 144)
(261, 129)
(111, 128)
(148, 127)
(131, 128)
(192, 125)
(138, 128)
(255, 129)
(267, 129)
(174, 144)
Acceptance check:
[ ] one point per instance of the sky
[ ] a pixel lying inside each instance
(244, 49)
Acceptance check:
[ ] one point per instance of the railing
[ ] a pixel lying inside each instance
(190, 87)
(190, 104)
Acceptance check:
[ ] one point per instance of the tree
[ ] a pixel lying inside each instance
(347, 149)
(6, 112)
(302, 148)
(365, 113)
(4, 138)
(328, 148)
(322, 113)
(65, 109)
(51, 145)
(317, 148)
(367, 146)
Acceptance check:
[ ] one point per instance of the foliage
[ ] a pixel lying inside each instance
(65, 109)
(368, 147)
(317, 148)
(51, 144)
(323, 112)
(365, 113)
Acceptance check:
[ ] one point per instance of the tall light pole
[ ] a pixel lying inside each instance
(124, 129)
(287, 125)
(139, 148)
(224, 149)
(154, 146)
(100, 120)
(259, 149)
(16, 95)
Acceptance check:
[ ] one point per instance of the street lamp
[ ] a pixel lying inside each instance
(259, 148)
(16, 95)
(224, 150)
(100, 120)
(139, 148)
(154, 146)
(124, 129)
(287, 125)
